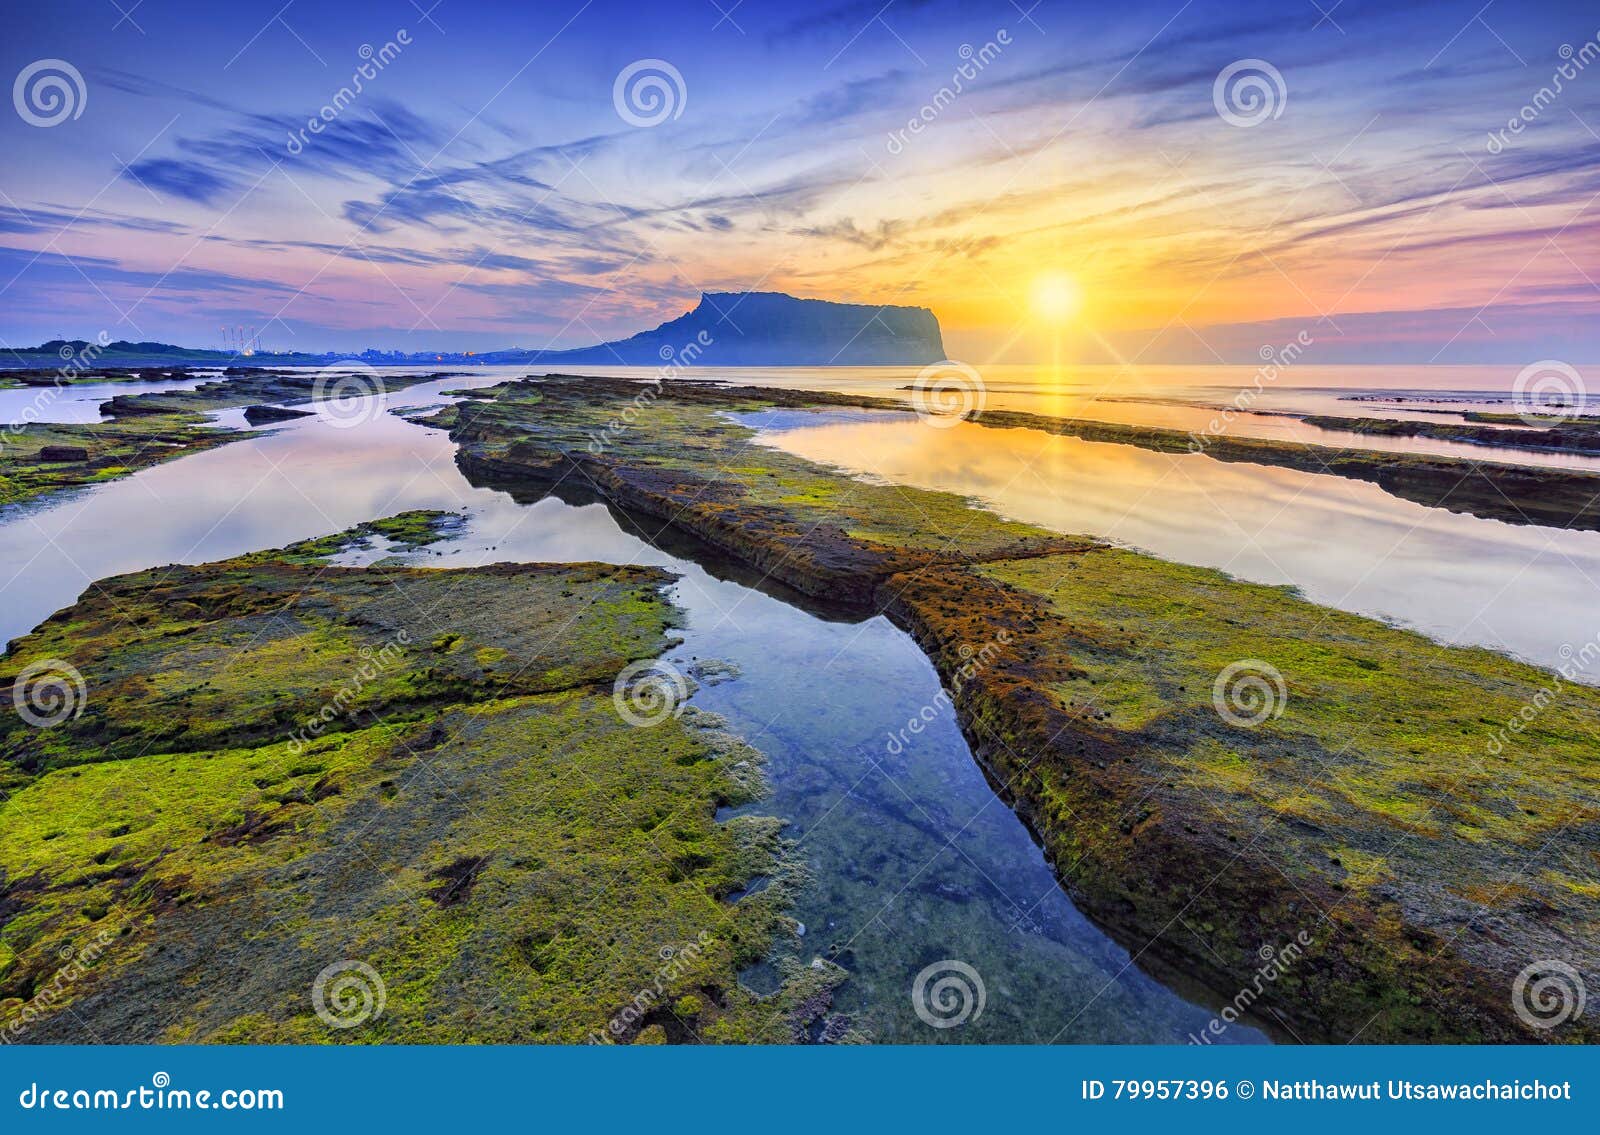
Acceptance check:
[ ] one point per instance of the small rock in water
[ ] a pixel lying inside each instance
(63, 453)
(713, 671)
(800, 929)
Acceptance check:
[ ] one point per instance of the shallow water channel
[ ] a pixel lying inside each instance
(914, 859)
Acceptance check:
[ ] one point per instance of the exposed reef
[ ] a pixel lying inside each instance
(42, 458)
(251, 387)
(1575, 436)
(70, 374)
(300, 803)
(145, 429)
(264, 415)
(1384, 809)
(1517, 494)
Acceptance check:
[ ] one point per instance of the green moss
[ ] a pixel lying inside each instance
(1395, 800)
(483, 829)
(1380, 725)
(111, 450)
(404, 532)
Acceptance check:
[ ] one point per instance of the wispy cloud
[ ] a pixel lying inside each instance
(192, 181)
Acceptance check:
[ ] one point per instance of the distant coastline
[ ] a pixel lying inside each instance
(723, 329)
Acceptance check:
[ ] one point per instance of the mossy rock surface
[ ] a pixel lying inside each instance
(255, 386)
(40, 458)
(475, 830)
(1384, 806)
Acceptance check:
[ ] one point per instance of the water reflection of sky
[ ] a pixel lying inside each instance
(74, 403)
(1344, 543)
(913, 857)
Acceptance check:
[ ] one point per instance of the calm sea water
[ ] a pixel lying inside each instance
(1522, 589)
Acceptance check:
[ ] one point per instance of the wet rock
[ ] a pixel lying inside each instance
(63, 453)
(260, 415)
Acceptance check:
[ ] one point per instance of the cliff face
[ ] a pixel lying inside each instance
(773, 329)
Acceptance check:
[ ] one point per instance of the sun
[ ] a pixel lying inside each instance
(1056, 296)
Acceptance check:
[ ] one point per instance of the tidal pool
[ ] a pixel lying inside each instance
(915, 862)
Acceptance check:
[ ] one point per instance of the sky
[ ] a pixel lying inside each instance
(1134, 182)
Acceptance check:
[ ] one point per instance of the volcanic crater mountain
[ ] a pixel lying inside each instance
(768, 329)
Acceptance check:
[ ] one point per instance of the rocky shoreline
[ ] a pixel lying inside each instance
(1576, 437)
(420, 780)
(43, 458)
(1197, 842)
(256, 388)
(1516, 494)
(39, 458)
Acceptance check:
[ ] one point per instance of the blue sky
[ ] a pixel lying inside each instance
(484, 189)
